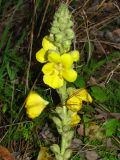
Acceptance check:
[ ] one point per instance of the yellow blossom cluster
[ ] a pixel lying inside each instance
(58, 67)
(75, 101)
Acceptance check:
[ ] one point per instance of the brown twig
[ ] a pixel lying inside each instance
(30, 46)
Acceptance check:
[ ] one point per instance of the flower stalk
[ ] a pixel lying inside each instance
(58, 70)
(63, 146)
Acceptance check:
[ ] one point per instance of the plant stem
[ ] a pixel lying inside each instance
(63, 94)
(63, 147)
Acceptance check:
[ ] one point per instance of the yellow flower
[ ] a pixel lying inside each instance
(75, 55)
(74, 103)
(58, 69)
(83, 95)
(47, 45)
(75, 119)
(34, 105)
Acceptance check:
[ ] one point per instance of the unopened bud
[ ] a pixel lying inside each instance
(67, 154)
(55, 30)
(70, 34)
(59, 37)
(55, 148)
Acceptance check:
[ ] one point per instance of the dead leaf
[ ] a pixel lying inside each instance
(115, 115)
(111, 146)
(100, 49)
(94, 131)
(91, 155)
(108, 6)
(92, 81)
(105, 115)
(80, 130)
(47, 134)
(43, 154)
(76, 144)
(109, 143)
(101, 116)
(118, 155)
(117, 32)
(5, 154)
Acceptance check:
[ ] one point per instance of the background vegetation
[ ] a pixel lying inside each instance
(97, 27)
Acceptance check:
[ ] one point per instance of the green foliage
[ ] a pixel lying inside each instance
(26, 131)
(99, 93)
(108, 154)
(88, 109)
(80, 82)
(113, 90)
(86, 120)
(11, 72)
(76, 157)
(110, 127)
(8, 25)
(95, 64)
(12, 67)
(39, 3)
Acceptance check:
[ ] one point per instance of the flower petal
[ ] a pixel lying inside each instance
(69, 75)
(67, 60)
(34, 112)
(75, 119)
(35, 104)
(84, 95)
(53, 81)
(54, 57)
(47, 45)
(75, 55)
(48, 68)
(34, 99)
(74, 104)
(40, 56)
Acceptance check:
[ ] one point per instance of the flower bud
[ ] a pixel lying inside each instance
(62, 29)
(55, 30)
(70, 33)
(59, 111)
(76, 55)
(62, 26)
(66, 45)
(55, 148)
(70, 24)
(70, 135)
(67, 154)
(59, 157)
(66, 128)
(59, 37)
(58, 123)
(55, 23)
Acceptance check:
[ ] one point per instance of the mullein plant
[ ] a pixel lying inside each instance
(58, 69)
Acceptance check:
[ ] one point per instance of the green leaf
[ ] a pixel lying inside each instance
(11, 72)
(4, 108)
(99, 93)
(88, 108)
(80, 82)
(110, 127)
(86, 120)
